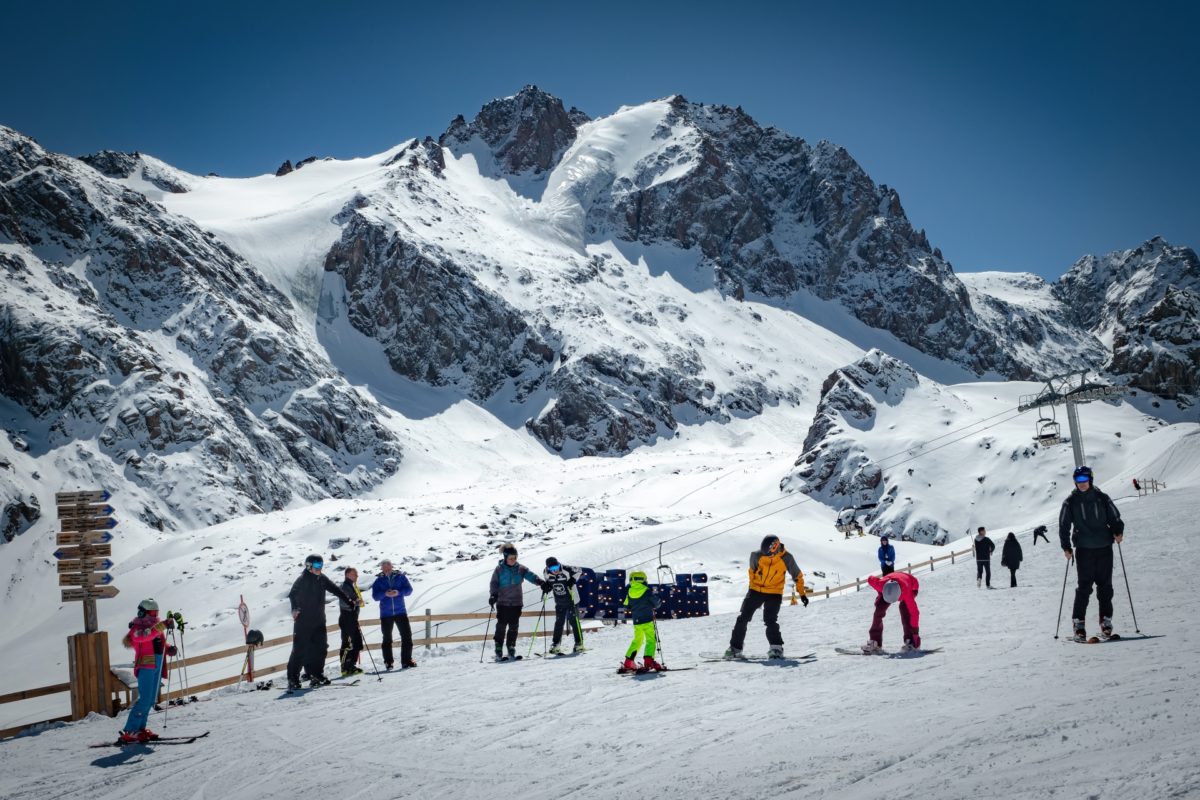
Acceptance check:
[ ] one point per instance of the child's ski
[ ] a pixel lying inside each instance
(159, 740)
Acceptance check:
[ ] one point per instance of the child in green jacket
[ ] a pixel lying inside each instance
(641, 602)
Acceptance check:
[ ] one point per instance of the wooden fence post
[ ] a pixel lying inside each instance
(931, 563)
(428, 628)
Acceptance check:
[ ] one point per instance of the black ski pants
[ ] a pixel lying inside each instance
(1012, 571)
(770, 604)
(1036, 534)
(1093, 566)
(563, 615)
(405, 630)
(982, 568)
(352, 641)
(507, 620)
(310, 646)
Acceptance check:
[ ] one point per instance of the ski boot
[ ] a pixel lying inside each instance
(579, 648)
(871, 648)
(146, 735)
(650, 665)
(556, 650)
(775, 651)
(733, 652)
(408, 664)
(318, 680)
(1080, 632)
(908, 646)
(127, 737)
(512, 654)
(294, 686)
(346, 673)
(1106, 630)
(628, 665)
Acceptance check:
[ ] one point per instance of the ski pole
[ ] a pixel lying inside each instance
(1127, 594)
(483, 647)
(363, 637)
(533, 639)
(658, 644)
(1064, 596)
(545, 647)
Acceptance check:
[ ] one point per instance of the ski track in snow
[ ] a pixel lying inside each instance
(1004, 710)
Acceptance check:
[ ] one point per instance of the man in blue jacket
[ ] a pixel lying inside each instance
(887, 556)
(389, 590)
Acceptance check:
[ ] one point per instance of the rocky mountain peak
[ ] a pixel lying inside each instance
(525, 133)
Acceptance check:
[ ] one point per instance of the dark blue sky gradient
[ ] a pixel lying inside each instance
(1021, 136)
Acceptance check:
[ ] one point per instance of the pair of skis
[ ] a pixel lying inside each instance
(167, 740)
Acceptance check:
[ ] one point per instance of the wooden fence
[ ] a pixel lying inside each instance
(428, 640)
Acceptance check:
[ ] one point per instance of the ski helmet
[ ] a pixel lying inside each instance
(146, 606)
(508, 549)
(637, 576)
(768, 543)
(314, 559)
(1083, 473)
(551, 561)
(891, 591)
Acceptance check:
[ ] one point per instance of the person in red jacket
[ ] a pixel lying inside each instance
(895, 586)
(147, 636)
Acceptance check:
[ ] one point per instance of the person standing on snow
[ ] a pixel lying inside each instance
(352, 641)
(983, 557)
(559, 580)
(148, 639)
(887, 556)
(900, 586)
(769, 567)
(1097, 524)
(310, 643)
(641, 602)
(508, 600)
(389, 590)
(1010, 556)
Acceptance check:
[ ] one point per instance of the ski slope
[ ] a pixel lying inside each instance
(1003, 710)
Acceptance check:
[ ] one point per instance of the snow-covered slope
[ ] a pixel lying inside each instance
(1004, 708)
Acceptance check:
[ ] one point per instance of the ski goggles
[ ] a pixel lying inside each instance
(317, 564)
(1082, 479)
(554, 568)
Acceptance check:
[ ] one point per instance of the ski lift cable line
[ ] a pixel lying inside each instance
(921, 447)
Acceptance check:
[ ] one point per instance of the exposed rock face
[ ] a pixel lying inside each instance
(526, 133)
(130, 328)
(774, 215)
(1144, 302)
(113, 164)
(285, 168)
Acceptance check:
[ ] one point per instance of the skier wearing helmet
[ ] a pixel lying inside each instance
(641, 601)
(900, 586)
(148, 639)
(769, 567)
(1096, 523)
(507, 598)
(310, 642)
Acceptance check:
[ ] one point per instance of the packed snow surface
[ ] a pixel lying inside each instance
(1004, 709)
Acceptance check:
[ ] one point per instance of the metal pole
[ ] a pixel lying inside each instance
(483, 647)
(363, 637)
(1064, 596)
(1127, 594)
(1076, 433)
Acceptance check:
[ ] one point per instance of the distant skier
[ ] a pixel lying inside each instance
(148, 639)
(769, 567)
(352, 641)
(507, 598)
(389, 590)
(887, 556)
(1097, 524)
(900, 586)
(641, 601)
(310, 643)
(1040, 530)
(983, 557)
(559, 580)
(1010, 556)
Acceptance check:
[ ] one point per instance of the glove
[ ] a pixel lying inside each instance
(171, 650)
(545, 587)
(169, 623)
(804, 600)
(492, 601)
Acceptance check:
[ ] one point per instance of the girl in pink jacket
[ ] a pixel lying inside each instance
(147, 637)
(892, 587)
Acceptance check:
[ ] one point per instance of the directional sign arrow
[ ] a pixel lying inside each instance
(84, 565)
(84, 510)
(87, 523)
(84, 551)
(85, 579)
(82, 537)
(64, 498)
(68, 595)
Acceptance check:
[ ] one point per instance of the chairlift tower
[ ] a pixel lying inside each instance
(1070, 390)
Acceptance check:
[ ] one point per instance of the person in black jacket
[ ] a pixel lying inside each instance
(352, 640)
(1096, 523)
(1040, 530)
(983, 557)
(310, 644)
(1010, 556)
(559, 580)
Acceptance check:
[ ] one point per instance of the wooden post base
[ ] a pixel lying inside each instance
(90, 676)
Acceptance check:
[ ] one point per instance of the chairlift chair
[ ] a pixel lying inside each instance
(1047, 431)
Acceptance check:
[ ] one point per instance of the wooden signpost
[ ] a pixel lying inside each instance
(85, 522)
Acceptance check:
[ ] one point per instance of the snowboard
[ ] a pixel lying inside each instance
(757, 657)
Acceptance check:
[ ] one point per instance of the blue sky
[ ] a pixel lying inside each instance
(1021, 136)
